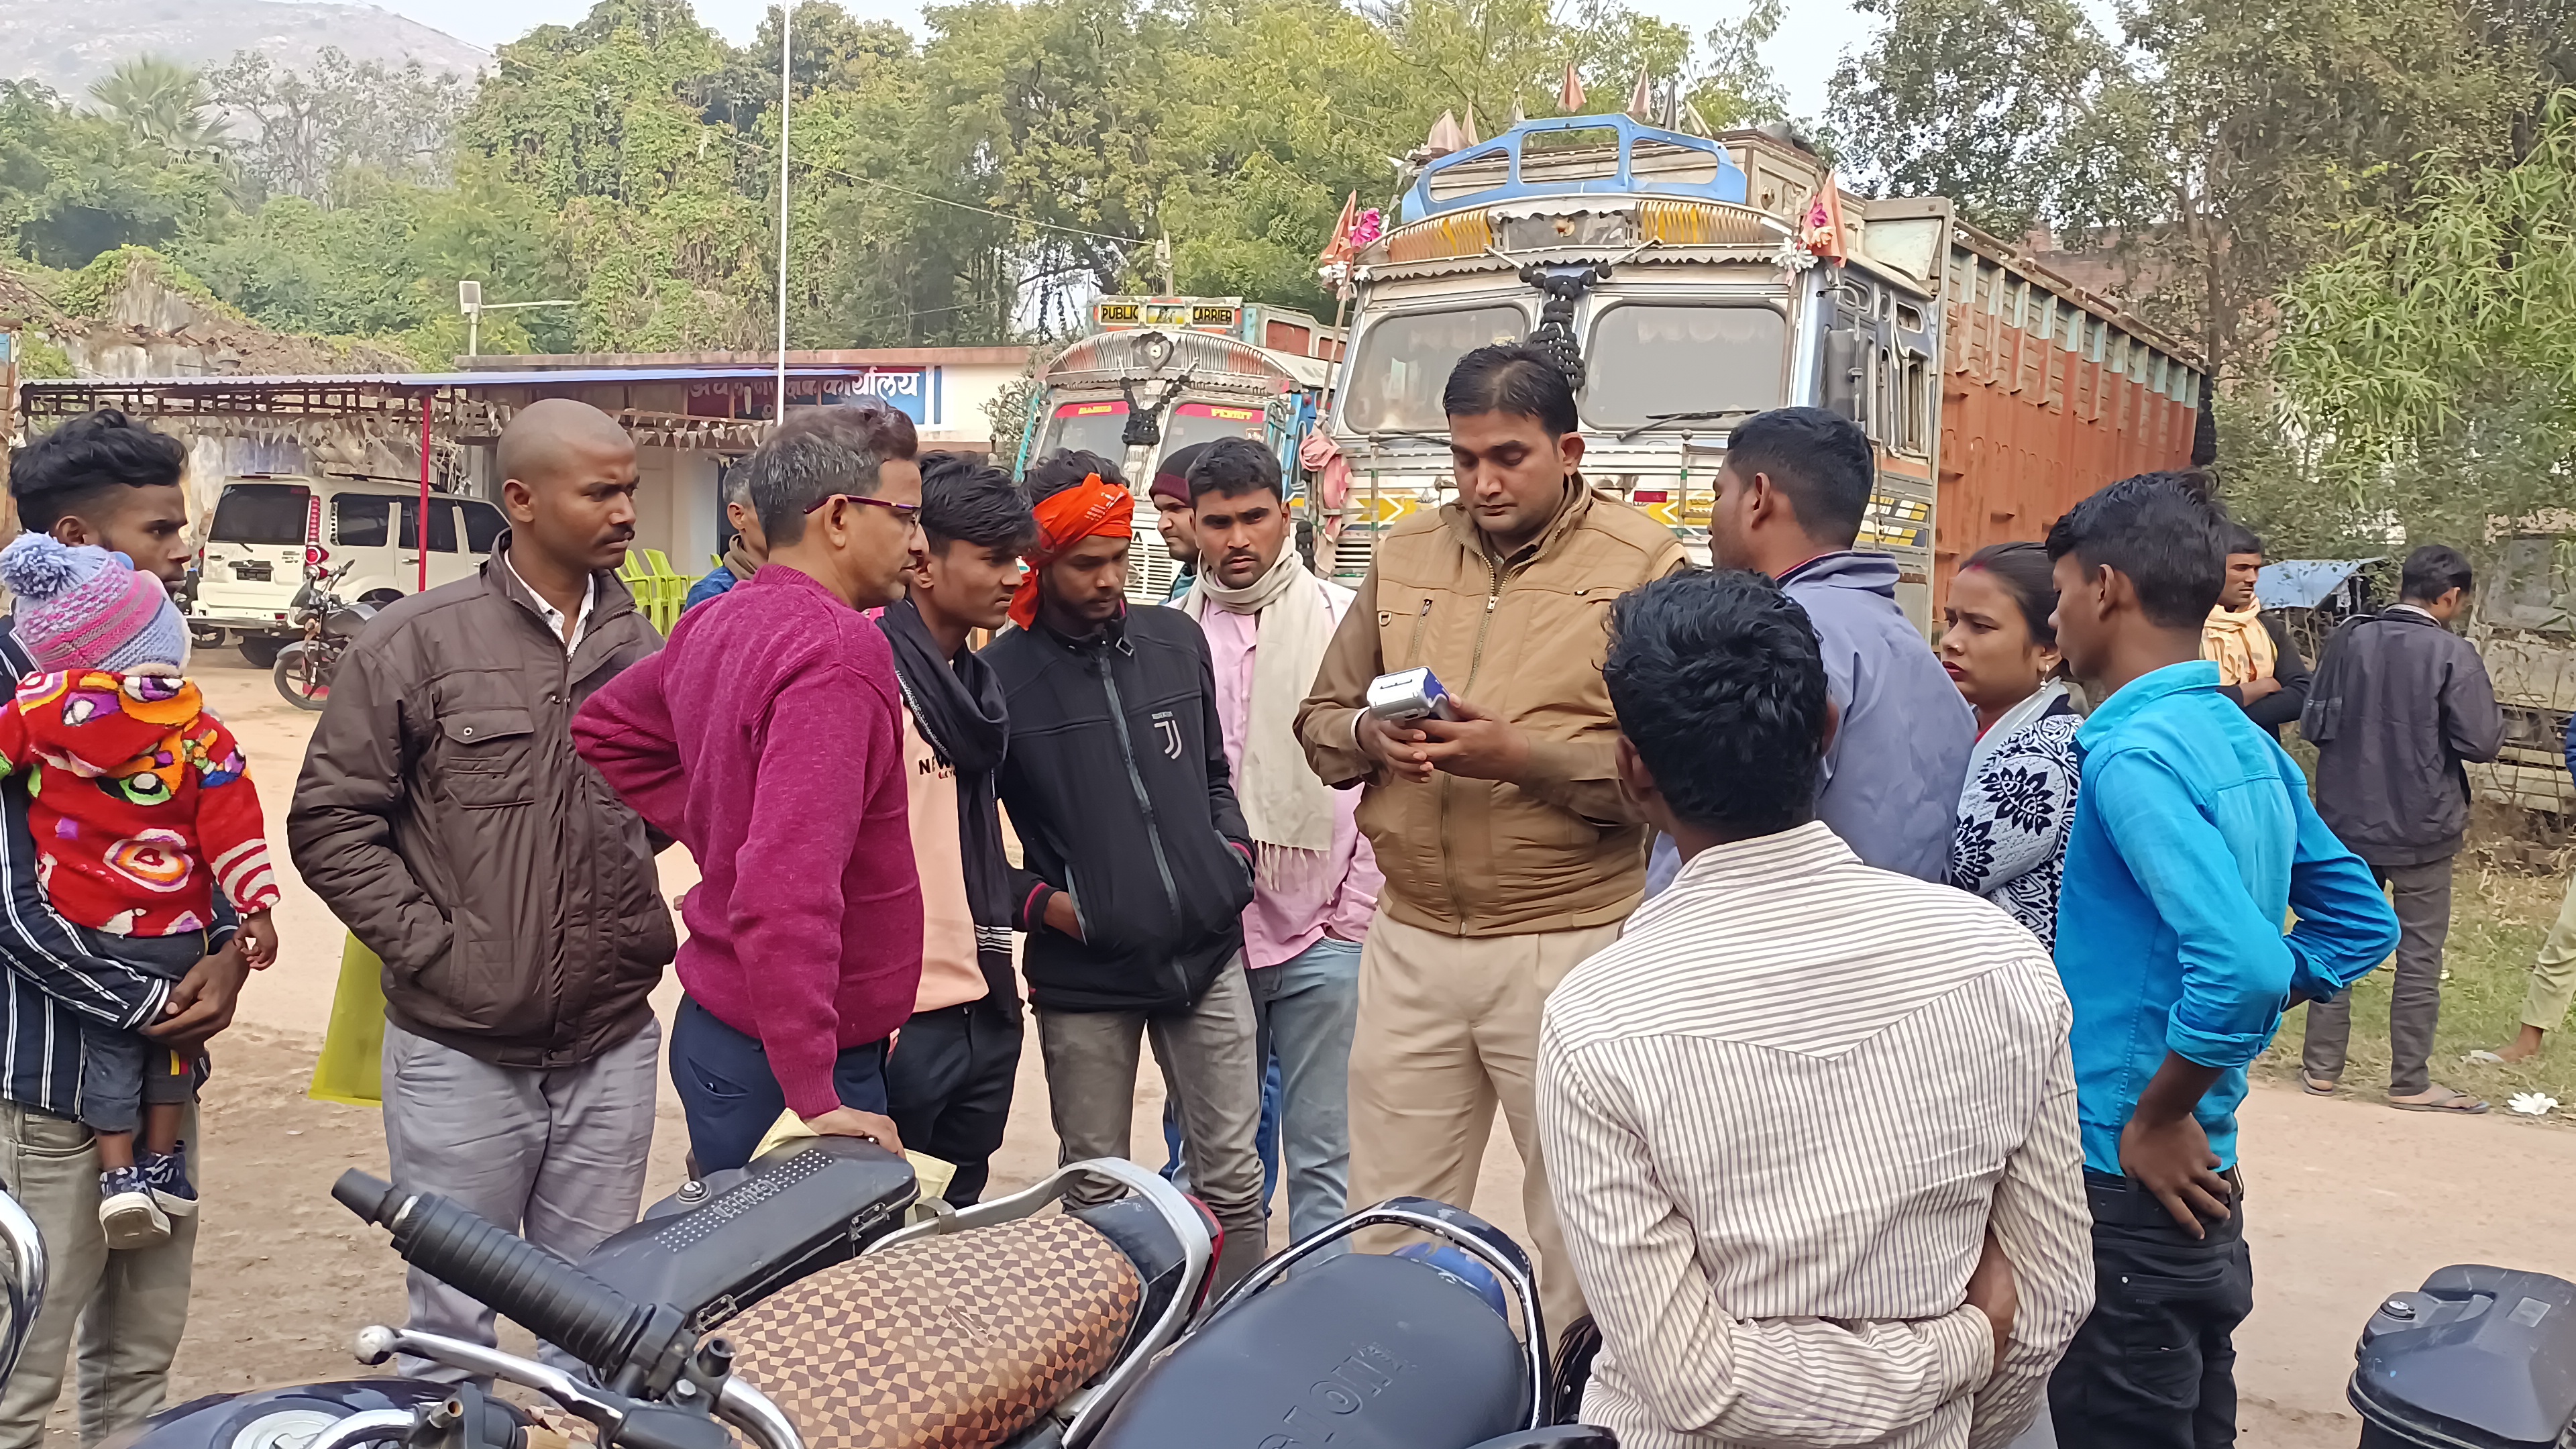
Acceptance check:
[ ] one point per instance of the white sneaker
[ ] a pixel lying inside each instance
(126, 1212)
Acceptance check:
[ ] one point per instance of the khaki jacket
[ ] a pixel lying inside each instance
(1561, 849)
(443, 816)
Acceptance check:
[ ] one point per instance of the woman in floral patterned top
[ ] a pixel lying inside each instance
(2020, 793)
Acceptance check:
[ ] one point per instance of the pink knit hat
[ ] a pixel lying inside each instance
(80, 607)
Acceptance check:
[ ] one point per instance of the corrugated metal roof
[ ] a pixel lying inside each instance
(421, 381)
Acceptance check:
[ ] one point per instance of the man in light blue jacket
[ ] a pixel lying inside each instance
(1789, 504)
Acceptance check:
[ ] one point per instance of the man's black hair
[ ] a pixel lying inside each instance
(965, 499)
(2432, 571)
(819, 452)
(81, 463)
(1820, 459)
(2163, 532)
(1232, 468)
(1718, 681)
(2241, 539)
(1518, 381)
(1056, 472)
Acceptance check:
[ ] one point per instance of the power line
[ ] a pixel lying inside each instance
(884, 185)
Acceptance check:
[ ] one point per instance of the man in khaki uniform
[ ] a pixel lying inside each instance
(1509, 850)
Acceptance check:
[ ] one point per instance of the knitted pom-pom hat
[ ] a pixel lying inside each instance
(86, 608)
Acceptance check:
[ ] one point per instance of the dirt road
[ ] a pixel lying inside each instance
(2347, 1200)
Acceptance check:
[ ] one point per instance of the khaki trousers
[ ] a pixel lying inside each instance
(2553, 973)
(129, 1307)
(1448, 1029)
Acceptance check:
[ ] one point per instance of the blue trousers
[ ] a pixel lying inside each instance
(729, 1095)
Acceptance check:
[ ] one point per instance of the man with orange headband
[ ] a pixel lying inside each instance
(1139, 862)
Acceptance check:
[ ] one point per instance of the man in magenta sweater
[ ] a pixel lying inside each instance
(766, 738)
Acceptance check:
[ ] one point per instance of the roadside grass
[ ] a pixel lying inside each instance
(2498, 920)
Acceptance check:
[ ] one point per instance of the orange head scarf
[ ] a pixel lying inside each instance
(1089, 509)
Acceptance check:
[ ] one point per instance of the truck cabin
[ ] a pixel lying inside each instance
(1637, 256)
(1138, 396)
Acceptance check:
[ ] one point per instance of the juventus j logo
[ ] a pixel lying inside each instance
(1170, 729)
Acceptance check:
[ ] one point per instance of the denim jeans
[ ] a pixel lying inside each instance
(1305, 1007)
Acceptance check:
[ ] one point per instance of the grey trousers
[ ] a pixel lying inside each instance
(1207, 1057)
(553, 1154)
(2422, 894)
(129, 1307)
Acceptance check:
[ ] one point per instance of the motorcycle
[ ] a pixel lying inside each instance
(303, 668)
(788, 1303)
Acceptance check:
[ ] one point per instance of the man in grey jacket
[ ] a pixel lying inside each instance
(1789, 504)
(2398, 705)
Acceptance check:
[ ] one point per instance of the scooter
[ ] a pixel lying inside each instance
(783, 1301)
(789, 1304)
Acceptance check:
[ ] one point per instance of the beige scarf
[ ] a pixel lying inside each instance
(2237, 642)
(1289, 809)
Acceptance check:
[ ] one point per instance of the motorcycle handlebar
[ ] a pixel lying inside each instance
(555, 1300)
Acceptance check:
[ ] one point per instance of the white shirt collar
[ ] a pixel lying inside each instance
(553, 616)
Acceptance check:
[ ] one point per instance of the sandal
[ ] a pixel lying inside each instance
(2316, 1086)
(2449, 1101)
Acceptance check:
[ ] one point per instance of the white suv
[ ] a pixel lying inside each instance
(267, 527)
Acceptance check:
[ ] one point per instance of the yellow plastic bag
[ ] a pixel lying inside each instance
(353, 1052)
(929, 1171)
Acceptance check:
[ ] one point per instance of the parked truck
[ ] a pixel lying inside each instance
(1155, 375)
(1672, 274)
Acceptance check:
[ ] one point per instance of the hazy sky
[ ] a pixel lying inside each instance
(1812, 37)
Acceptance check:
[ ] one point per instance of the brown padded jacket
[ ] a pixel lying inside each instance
(444, 818)
(1524, 637)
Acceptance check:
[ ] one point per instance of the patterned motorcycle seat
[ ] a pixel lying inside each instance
(952, 1342)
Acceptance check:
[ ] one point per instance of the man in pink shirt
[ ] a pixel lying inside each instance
(1268, 618)
(767, 737)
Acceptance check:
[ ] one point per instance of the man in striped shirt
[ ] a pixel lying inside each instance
(1811, 1125)
(107, 481)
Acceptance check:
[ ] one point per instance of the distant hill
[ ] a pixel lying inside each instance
(67, 46)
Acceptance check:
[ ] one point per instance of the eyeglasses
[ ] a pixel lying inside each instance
(907, 514)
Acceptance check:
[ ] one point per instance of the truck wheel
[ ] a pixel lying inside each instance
(206, 636)
(261, 649)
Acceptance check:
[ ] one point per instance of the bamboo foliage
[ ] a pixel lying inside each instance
(2429, 366)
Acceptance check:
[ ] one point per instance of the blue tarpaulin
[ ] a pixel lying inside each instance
(2303, 583)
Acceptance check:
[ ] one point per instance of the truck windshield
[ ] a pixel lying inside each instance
(1194, 423)
(1404, 360)
(1086, 427)
(260, 513)
(1648, 361)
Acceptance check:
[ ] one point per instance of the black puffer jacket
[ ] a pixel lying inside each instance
(1117, 784)
(2398, 706)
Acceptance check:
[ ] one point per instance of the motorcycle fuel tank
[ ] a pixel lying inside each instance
(283, 1418)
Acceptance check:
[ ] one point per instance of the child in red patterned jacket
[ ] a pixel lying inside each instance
(141, 810)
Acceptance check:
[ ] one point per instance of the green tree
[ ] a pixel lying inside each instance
(1736, 86)
(319, 131)
(163, 102)
(73, 186)
(2429, 364)
(2019, 111)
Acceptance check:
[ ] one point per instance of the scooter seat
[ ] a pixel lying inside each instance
(1367, 1352)
(951, 1341)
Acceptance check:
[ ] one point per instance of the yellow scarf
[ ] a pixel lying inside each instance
(2237, 642)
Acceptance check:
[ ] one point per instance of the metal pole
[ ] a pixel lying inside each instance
(474, 333)
(786, 17)
(425, 399)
